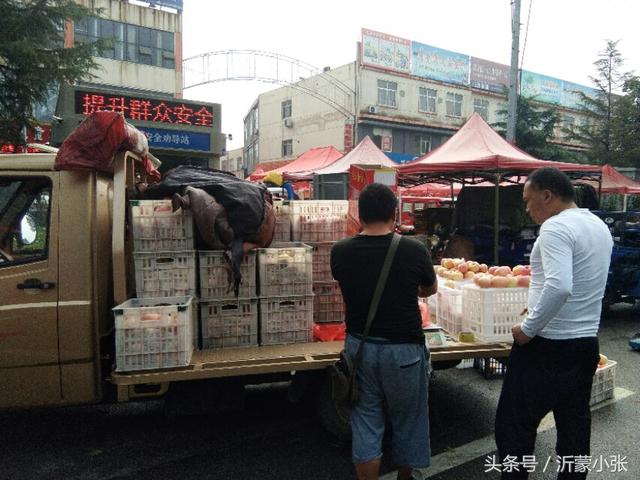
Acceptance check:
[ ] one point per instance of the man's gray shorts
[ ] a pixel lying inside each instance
(392, 382)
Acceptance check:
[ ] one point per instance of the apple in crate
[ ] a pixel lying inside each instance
(492, 270)
(473, 266)
(447, 263)
(456, 275)
(603, 360)
(520, 270)
(512, 282)
(523, 280)
(499, 282)
(469, 275)
(484, 268)
(463, 267)
(483, 281)
(503, 271)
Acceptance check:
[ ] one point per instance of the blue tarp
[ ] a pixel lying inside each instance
(400, 157)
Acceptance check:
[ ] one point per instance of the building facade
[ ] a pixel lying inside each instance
(140, 75)
(408, 97)
(233, 161)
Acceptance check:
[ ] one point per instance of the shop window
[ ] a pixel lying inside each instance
(423, 143)
(427, 100)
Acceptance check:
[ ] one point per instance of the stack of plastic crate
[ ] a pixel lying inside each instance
(227, 321)
(282, 231)
(320, 223)
(286, 293)
(156, 330)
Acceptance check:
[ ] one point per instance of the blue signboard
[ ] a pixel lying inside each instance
(177, 140)
(439, 64)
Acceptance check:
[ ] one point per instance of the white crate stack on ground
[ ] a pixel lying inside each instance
(285, 269)
(282, 231)
(230, 323)
(491, 312)
(157, 228)
(318, 220)
(165, 274)
(449, 309)
(604, 381)
(322, 261)
(153, 333)
(286, 319)
(328, 305)
(215, 274)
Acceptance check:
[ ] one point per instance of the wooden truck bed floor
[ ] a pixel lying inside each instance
(237, 362)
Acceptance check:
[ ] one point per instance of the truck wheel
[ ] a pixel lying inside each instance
(335, 420)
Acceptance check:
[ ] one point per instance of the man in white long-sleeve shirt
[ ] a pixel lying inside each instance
(555, 351)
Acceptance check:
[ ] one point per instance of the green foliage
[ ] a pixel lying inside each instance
(534, 129)
(33, 59)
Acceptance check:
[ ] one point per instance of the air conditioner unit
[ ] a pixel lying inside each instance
(372, 109)
(288, 122)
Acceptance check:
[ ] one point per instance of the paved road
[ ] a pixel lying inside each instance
(271, 439)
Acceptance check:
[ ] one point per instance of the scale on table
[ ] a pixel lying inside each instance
(435, 336)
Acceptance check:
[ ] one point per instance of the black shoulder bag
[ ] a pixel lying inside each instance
(342, 373)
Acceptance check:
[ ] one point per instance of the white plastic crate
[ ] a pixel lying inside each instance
(449, 309)
(491, 312)
(603, 383)
(285, 320)
(165, 274)
(328, 305)
(322, 261)
(153, 333)
(319, 220)
(229, 324)
(285, 269)
(156, 228)
(282, 231)
(215, 275)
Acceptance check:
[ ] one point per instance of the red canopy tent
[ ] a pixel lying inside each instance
(365, 153)
(615, 182)
(476, 153)
(265, 167)
(313, 159)
(478, 149)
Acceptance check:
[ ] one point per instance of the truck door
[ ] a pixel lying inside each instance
(29, 356)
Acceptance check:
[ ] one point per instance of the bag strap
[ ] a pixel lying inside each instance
(377, 294)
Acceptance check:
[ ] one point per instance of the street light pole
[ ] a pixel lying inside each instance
(513, 76)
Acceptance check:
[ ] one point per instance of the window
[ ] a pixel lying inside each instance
(287, 148)
(427, 101)
(454, 104)
(132, 43)
(286, 109)
(482, 107)
(407, 207)
(24, 216)
(387, 93)
(423, 143)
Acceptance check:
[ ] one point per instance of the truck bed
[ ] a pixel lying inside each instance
(206, 364)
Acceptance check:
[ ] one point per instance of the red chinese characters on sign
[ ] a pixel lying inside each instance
(143, 109)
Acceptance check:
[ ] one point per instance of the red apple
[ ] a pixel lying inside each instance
(523, 280)
(492, 270)
(484, 281)
(463, 267)
(473, 266)
(499, 282)
(503, 271)
(519, 270)
(484, 268)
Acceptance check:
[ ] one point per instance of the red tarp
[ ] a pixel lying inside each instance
(365, 153)
(444, 190)
(477, 147)
(265, 167)
(313, 159)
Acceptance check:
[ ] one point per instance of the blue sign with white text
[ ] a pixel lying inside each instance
(160, 138)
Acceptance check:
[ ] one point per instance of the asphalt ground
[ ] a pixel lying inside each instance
(271, 438)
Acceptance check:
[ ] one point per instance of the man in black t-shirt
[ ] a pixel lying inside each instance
(393, 375)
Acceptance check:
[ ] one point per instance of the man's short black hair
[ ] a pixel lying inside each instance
(552, 179)
(377, 203)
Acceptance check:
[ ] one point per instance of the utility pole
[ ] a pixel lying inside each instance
(513, 76)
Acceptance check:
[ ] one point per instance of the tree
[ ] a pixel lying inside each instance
(34, 60)
(625, 125)
(598, 136)
(534, 129)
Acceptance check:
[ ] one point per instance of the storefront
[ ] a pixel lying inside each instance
(179, 131)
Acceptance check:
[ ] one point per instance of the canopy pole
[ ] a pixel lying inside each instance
(625, 197)
(496, 222)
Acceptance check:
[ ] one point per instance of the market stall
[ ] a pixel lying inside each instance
(476, 154)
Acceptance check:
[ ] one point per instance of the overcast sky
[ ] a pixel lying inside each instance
(564, 36)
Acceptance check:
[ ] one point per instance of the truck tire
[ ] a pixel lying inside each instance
(335, 420)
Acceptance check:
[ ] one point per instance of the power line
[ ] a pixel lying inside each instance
(524, 46)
